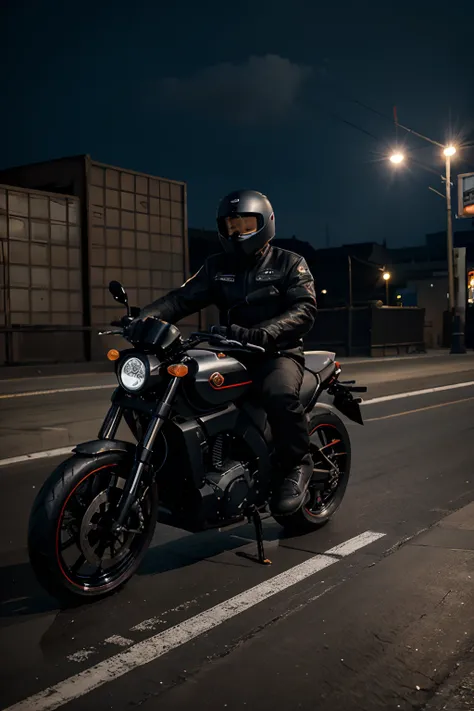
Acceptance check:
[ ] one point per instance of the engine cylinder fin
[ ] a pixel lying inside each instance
(218, 453)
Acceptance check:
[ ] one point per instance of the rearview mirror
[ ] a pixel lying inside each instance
(118, 292)
(262, 294)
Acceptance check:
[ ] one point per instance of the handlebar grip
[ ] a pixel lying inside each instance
(253, 347)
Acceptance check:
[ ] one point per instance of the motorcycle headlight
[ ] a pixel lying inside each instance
(133, 374)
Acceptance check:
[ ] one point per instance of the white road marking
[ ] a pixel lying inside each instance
(353, 544)
(153, 622)
(34, 393)
(119, 641)
(160, 644)
(46, 376)
(37, 455)
(416, 393)
(420, 409)
(82, 654)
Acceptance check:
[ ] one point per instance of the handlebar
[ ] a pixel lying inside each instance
(248, 346)
(201, 336)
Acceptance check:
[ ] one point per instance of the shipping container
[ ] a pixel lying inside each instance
(134, 230)
(40, 260)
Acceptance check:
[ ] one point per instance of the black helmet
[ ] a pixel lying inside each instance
(245, 222)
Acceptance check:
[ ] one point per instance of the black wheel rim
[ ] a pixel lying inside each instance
(88, 555)
(328, 450)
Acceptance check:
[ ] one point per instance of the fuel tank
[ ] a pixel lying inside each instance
(218, 379)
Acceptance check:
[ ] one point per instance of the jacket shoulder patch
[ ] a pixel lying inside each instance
(302, 269)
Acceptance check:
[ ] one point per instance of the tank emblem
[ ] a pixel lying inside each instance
(221, 355)
(216, 379)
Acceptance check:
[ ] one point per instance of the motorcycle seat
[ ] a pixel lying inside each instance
(308, 388)
(319, 360)
(322, 363)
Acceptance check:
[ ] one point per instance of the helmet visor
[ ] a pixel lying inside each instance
(235, 226)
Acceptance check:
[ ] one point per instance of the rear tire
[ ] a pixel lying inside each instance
(48, 516)
(314, 514)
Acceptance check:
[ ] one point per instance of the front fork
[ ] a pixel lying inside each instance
(144, 451)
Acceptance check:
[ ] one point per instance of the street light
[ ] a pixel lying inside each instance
(397, 158)
(386, 276)
(457, 330)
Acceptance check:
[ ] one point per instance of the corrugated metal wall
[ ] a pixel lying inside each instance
(40, 237)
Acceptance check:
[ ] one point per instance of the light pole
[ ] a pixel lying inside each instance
(349, 313)
(386, 276)
(457, 330)
(448, 152)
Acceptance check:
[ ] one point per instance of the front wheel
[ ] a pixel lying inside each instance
(331, 449)
(71, 547)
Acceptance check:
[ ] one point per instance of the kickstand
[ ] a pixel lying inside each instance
(254, 516)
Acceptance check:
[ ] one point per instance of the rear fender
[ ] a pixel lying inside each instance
(352, 412)
(349, 407)
(321, 407)
(104, 446)
(345, 404)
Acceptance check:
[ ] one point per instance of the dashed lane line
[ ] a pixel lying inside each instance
(160, 644)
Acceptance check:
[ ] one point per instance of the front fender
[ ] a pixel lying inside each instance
(104, 446)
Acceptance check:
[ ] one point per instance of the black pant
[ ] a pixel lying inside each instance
(278, 382)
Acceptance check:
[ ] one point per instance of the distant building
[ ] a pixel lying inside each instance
(106, 223)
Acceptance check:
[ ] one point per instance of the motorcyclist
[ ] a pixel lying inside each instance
(246, 225)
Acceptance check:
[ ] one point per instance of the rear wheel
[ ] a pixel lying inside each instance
(72, 550)
(331, 450)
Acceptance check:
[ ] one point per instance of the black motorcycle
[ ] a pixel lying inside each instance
(202, 457)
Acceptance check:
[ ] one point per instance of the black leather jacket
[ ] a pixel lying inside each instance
(285, 318)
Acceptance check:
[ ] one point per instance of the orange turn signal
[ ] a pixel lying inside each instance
(178, 371)
(113, 354)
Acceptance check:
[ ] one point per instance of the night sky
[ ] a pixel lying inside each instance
(257, 95)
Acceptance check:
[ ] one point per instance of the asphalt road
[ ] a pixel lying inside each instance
(46, 413)
(370, 613)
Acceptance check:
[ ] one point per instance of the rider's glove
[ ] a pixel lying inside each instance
(254, 336)
(219, 331)
(137, 329)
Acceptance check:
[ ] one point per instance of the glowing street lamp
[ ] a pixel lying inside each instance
(397, 158)
(449, 150)
(386, 276)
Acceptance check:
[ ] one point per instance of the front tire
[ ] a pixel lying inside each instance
(68, 520)
(327, 433)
